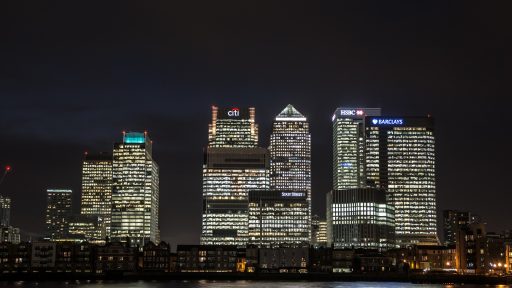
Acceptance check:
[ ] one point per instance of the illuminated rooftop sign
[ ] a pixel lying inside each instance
(388, 121)
(355, 113)
(292, 194)
(134, 138)
(234, 112)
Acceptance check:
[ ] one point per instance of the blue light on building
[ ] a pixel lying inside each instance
(134, 138)
(388, 121)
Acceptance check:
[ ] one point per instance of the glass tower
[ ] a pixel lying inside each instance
(360, 218)
(348, 146)
(290, 171)
(97, 189)
(135, 191)
(233, 165)
(58, 211)
(400, 158)
(5, 211)
(279, 218)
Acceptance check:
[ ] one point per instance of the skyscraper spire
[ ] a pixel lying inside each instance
(290, 114)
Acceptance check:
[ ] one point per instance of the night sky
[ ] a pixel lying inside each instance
(74, 74)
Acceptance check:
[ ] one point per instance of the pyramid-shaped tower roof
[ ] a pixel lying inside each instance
(290, 114)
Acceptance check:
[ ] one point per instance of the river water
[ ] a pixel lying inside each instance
(223, 284)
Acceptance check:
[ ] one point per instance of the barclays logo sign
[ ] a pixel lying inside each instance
(388, 121)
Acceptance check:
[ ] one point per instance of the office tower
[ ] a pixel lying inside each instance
(348, 146)
(400, 158)
(233, 127)
(97, 189)
(135, 192)
(279, 218)
(86, 228)
(321, 237)
(290, 159)
(5, 211)
(233, 166)
(360, 218)
(318, 232)
(10, 234)
(454, 221)
(58, 211)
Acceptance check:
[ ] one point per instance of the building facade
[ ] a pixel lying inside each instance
(207, 258)
(97, 189)
(86, 228)
(279, 218)
(349, 146)
(360, 218)
(135, 192)
(454, 221)
(290, 158)
(58, 211)
(5, 211)
(400, 158)
(228, 176)
(233, 165)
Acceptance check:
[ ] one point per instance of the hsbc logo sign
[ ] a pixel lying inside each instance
(234, 112)
(352, 112)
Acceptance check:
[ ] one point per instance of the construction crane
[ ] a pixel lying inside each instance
(8, 169)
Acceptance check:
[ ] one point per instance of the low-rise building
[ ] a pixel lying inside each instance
(43, 256)
(15, 257)
(207, 258)
(156, 257)
(284, 259)
(116, 257)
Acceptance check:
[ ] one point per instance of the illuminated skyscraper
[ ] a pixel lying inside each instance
(360, 218)
(318, 231)
(400, 158)
(279, 218)
(58, 211)
(5, 211)
(290, 161)
(233, 166)
(233, 127)
(348, 146)
(97, 189)
(135, 192)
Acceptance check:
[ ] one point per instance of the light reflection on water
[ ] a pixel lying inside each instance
(225, 284)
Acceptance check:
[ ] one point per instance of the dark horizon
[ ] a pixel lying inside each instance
(75, 76)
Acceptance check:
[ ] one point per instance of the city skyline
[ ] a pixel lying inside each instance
(255, 140)
(70, 84)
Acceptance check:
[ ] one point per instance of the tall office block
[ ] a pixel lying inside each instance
(349, 146)
(318, 232)
(135, 192)
(5, 211)
(58, 211)
(400, 158)
(233, 165)
(233, 127)
(279, 218)
(360, 218)
(454, 221)
(290, 159)
(228, 176)
(97, 189)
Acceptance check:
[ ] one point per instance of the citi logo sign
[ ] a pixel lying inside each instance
(235, 112)
(389, 121)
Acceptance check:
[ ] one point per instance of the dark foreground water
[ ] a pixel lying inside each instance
(225, 284)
